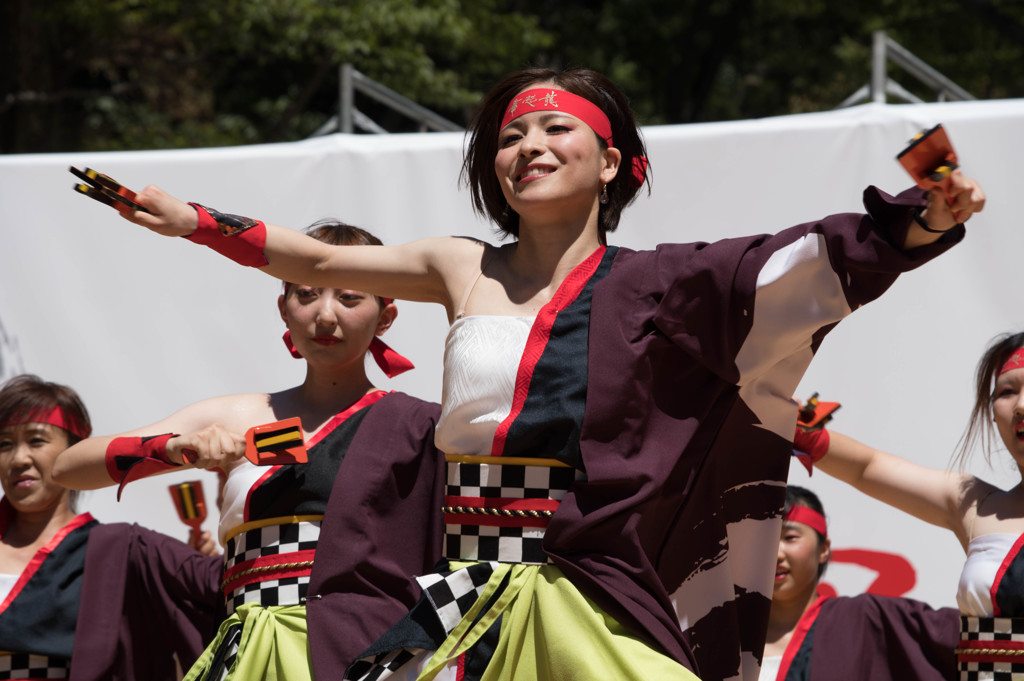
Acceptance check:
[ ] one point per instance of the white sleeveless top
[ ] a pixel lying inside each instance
(240, 480)
(984, 556)
(481, 358)
(7, 582)
(770, 666)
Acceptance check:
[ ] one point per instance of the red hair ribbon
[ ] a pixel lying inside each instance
(389, 361)
(807, 516)
(1015, 361)
(53, 417)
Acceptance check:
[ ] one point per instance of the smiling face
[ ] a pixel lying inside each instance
(552, 159)
(800, 557)
(333, 326)
(1008, 411)
(27, 453)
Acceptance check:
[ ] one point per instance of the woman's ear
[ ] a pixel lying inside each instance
(387, 318)
(612, 160)
(280, 308)
(824, 552)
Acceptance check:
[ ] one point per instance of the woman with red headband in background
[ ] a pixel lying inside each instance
(80, 600)
(811, 636)
(988, 521)
(616, 423)
(320, 556)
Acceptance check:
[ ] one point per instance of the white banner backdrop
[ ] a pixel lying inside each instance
(141, 325)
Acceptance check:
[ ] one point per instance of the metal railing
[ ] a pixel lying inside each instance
(349, 117)
(884, 50)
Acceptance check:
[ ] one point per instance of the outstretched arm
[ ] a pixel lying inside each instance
(936, 496)
(87, 465)
(421, 270)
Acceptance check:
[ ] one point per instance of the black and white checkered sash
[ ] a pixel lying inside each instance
(498, 508)
(269, 561)
(27, 666)
(991, 648)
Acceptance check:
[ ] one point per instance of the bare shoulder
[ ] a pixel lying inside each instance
(236, 412)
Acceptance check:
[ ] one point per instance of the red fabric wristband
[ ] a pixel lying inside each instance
(233, 236)
(810, 446)
(131, 458)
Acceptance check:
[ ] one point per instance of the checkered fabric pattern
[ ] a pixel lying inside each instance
(453, 593)
(27, 666)
(506, 544)
(998, 631)
(515, 482)
(224, 656)
(270, 540)
(385, 666)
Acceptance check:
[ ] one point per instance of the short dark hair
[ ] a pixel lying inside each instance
(801, 496)
(337, 233)
(26, 395)
(979, 428)
(478, 164)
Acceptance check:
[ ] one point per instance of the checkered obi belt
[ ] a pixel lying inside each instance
(991, 648)
(27, 666)
(269, 561)
(498, 508)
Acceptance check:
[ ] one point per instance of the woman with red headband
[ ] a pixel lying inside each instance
(988, 521)
(320, 556)
(616, 423)
(80, 600)
(812, 636)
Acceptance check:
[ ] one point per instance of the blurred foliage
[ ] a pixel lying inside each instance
(143, 74)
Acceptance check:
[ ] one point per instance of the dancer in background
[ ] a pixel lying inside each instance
(78, 599)
(617, 424)
(988, 521)
(813, 637)
(320, 556)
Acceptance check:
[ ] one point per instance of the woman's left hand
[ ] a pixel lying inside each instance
(963, 198)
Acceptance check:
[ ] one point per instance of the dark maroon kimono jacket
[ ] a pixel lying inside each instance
(687, 365)
(382, 527)
(146, 600)
(873, 637)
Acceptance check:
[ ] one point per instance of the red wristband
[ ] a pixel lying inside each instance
(233, 236)
(810, 446)
(131, 458)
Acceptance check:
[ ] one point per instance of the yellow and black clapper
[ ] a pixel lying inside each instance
(276, 443)
(106, 189)
(190, 502)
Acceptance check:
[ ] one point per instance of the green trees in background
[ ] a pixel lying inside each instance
(144, 74)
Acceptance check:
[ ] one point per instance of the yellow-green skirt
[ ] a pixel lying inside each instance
(531, 622)
(257, 642)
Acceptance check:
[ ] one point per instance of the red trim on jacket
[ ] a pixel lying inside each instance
(6, 515)
(540, 333)
(799, 634)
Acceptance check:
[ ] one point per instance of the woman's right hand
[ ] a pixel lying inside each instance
(213, 447)
(167, 215)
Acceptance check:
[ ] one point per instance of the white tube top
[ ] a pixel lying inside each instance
(481, 358)
(984, 556)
